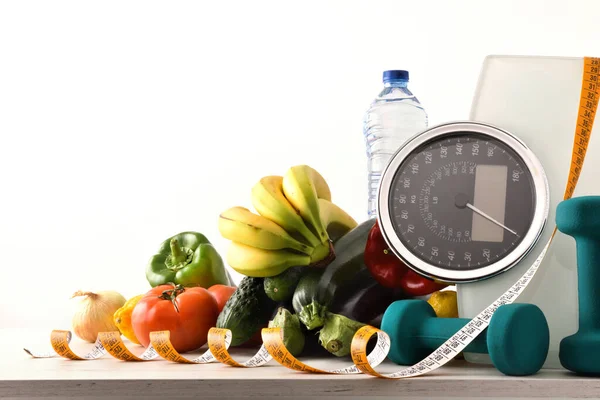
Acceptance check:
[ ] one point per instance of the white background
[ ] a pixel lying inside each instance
(125, 122)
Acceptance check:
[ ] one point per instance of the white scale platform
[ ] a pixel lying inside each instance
(537, 99)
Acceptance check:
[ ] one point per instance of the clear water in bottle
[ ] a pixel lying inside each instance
(394, 116)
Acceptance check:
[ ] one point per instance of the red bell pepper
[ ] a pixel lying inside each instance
(391, 272)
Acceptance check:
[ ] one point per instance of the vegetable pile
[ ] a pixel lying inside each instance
(309, 268)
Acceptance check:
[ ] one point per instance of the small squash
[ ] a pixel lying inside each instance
(122, 318)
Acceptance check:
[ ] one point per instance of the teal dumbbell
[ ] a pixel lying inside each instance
(580, 217)
(517, 338)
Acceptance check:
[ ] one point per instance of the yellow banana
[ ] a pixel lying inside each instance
(300, 190)
(270, 202)
(239, 224)
(321, 186)
(254, 262)
(336, 221)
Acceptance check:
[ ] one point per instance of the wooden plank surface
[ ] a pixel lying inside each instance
(21, 376)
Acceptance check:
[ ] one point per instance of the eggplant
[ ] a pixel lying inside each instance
(344, 287)
(367, 303)
(344, 296)
(347, 315)
(321, 288)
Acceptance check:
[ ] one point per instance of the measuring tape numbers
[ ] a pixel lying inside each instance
(106, 342)
(114, 345)
(219, 341)
(273, 342)
(588, 104)
(60, 339)
(218, 344)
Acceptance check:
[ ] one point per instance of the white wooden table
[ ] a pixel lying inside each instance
(24, 377)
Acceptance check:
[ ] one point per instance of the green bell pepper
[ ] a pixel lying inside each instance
(187, 259)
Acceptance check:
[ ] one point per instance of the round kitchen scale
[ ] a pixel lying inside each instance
(463, 201)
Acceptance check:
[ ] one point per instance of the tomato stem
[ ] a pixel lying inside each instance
(171, 294)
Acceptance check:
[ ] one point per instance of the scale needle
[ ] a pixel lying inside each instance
(478, 211)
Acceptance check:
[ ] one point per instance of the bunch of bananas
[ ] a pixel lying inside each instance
(295, 225)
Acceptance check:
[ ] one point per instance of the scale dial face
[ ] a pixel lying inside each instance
(463, 202)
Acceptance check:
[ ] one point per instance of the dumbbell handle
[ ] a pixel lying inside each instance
(588, 278)
(435, 331)
(579, 217)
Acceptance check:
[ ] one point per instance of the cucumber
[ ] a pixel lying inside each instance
(281, 287)
(247, 310)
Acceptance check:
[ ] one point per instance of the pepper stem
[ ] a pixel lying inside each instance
(177, 254)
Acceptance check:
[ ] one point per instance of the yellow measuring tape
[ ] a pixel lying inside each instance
(273, 348)
(588, 103)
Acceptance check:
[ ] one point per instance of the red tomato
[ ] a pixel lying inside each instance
(221, 293)
(188, 313)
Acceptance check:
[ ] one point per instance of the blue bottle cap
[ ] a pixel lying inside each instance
(395, 75)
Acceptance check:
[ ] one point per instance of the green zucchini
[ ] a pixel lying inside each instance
(293, 335)
(247, 310)
(306, 289)
(315, 294)
(281, 287)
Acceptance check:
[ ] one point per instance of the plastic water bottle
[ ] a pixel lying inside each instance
(394, 116)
